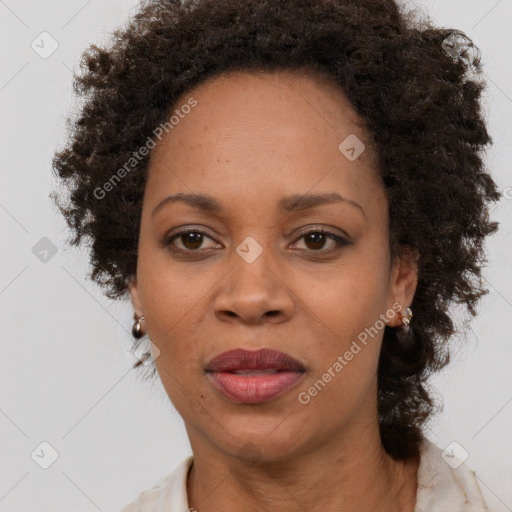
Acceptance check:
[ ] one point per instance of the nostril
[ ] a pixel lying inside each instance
(272, 313)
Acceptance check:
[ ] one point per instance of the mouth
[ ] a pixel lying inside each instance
(256, 371)
(252, 377)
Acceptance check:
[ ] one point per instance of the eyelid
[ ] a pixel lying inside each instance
(323, 229)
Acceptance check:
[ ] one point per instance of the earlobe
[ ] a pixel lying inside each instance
(138, 315)
(404, 280)
(134, 294)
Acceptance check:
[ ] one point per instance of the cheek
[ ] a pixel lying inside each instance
(173, 301)
(169, 289)
(343, 311)
(173, 305)
(344, 342)
(350, 296)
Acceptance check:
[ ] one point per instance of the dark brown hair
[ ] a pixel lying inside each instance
(417, 88)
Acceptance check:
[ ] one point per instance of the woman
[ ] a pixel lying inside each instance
(292, 195)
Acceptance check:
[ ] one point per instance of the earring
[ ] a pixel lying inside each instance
(404, 334)
(407, 318)
(137, 328)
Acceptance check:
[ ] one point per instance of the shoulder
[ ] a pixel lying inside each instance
(170, 493)
(446, 483)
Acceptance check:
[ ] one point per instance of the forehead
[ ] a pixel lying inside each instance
(260, 130)
(299, 90)
(255, 100)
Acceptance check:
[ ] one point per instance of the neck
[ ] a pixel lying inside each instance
(351, 473)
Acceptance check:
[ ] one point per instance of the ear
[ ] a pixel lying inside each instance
(402, 283)
(134, 294)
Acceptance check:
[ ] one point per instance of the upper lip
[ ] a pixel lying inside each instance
(265, 358)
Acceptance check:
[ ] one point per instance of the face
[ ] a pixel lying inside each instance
(264, 265)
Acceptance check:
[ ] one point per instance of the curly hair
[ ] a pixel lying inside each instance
(419, 99)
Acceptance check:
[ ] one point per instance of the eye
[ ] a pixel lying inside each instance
(316, 239)
(190, 239)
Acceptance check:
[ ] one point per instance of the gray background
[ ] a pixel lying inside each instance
(65, 369)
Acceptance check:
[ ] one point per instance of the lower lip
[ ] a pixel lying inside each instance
(253, 389)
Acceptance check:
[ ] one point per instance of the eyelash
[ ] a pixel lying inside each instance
(341, 241)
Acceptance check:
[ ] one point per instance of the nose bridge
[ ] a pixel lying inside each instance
(252, 260)
(253, 287)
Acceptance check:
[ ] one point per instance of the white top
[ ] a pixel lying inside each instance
(441, 488)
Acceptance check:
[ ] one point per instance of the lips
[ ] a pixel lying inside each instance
(263, 359)
(247, 376)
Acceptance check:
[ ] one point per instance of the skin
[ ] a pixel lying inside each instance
(252, 139)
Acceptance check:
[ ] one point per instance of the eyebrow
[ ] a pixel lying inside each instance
(295, 202)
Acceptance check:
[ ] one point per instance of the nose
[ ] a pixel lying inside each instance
(254, 292)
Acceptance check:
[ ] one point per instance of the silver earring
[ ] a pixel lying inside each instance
(406, 320)
(404, 333)
(137, 328)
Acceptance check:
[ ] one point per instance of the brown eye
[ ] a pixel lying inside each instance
(316, 240)
(190, 240)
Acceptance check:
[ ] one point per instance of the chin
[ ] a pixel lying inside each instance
(259, 439)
